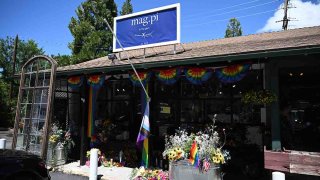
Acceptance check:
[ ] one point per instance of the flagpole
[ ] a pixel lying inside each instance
(134, 69)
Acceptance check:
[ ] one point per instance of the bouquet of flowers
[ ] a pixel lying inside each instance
(202, 149)
(148, 174)
(59, 137)
(88, 157)
(102, 160)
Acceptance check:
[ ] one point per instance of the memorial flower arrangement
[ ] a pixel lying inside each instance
(88, 157)
(102, 160)
(60, 138)
(148, 174)
(202, 149)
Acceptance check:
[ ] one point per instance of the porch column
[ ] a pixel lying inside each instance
(272, 83)
(84, 95)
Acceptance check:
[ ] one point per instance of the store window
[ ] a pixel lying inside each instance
(114, 117)
(199, 103)
(300, 107)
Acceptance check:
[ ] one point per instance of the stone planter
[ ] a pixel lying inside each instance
(57, 155)
(182, 170)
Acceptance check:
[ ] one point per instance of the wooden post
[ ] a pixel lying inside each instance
(84, 95)
(14, 57)
(272, 83)
(49, 111)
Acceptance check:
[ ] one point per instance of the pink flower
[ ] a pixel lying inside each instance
(88, 163)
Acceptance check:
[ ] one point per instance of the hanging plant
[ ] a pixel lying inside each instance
(259, 97)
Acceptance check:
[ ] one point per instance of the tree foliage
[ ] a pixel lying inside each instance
(63, 60)
(91, 37)
(25, 50)
(233, 28)
(126, 8)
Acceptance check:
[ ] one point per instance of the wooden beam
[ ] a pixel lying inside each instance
(305, 163)
(278, 161)
(298, 162)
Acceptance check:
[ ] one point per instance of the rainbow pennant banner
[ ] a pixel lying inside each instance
(232, 74)
(75, 82)
(197, 75)
(95, 82)
(144, 76)
(194, 158)
(168, 76)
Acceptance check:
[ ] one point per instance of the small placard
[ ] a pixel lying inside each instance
(165, 110)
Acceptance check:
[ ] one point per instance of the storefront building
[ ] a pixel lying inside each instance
(189, 84)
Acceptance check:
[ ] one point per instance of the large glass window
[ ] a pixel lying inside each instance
(300, 106)
(199, 103)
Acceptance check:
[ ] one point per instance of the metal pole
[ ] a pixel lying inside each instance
(134, 69)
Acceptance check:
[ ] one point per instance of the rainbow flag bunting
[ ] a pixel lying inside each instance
(197, 75)
(75, 81)
(232, 74)
(168, 76)
(194, 159)
(144, 76)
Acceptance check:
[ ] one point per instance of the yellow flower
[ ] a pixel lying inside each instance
(215, 160)
(53, 138)
(220, 157)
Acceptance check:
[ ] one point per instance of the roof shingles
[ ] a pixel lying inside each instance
(296, 38)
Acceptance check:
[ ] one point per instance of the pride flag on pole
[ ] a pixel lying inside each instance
(142, 140)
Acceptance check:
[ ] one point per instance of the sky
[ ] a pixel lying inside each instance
(47, 21)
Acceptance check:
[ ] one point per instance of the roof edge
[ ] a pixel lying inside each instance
(196, 60)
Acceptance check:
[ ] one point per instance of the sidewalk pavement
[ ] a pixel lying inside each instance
(105, 173)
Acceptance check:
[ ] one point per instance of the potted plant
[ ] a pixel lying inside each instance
(188, 151)
(60, 142)
(148, 174)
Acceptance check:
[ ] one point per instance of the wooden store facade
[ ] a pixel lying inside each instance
(189, 84)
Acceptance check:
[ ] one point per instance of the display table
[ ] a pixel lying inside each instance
(106, 173)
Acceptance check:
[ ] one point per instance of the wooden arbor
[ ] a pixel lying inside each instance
(34, 106)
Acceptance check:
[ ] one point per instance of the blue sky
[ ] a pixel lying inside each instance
(46, 22)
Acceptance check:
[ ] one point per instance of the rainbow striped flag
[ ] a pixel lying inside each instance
(194, 159)
(142, 140)
(91, 111)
